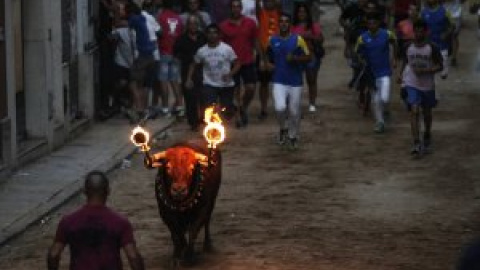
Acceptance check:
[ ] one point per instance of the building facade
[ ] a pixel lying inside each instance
(48, 75)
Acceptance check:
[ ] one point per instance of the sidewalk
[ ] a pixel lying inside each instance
(39, 187)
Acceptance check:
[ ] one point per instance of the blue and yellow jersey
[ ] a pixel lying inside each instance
(374, 48)
(438, 21)
(280, 49)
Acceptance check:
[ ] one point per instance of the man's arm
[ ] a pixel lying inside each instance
(134, 258)
(54, 255)
(306, 56)
(393, 41)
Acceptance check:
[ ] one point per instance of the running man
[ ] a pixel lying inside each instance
(373, 47)
(289, 54)
(422, 61)
(240, 32)
(439, 24)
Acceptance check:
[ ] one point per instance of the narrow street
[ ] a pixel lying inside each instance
(348, 199)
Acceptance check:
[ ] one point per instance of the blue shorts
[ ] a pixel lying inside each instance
(425, 99)
(168, 69)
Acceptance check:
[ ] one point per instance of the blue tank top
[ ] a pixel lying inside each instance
(375, 49)
(284, 72)
(437, 21)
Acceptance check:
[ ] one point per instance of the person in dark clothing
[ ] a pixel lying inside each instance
(184, 50)
(95, 233)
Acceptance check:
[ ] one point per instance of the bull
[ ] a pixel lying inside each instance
(186, 188)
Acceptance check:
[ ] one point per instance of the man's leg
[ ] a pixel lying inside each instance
(226, 96)
(384, 85)
(444, 72)
(249, 76)
(164, 86)
(378, 107)
(311, 76)
(294, 108)
(191, 101)
(280, 103)
(174, 78)
(264, 93)
(429, 103)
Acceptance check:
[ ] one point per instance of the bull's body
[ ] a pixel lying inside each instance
(185, 218)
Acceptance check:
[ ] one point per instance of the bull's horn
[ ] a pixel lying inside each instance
(200, 157)
(159, 155)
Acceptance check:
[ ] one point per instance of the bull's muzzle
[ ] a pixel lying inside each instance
(178, 192)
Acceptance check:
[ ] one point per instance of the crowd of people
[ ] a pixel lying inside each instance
(214, 52)
(206, 52)
(422, 35)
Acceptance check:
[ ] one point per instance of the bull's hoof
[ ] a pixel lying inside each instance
(188, 261)
(175, 263)
(189, 258)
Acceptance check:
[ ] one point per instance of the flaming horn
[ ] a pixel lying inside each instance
(214, 133)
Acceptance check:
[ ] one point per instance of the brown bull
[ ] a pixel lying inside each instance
(186, 188)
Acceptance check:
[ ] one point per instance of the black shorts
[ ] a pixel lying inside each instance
(121, 73)
(264, 76)
(247, 74)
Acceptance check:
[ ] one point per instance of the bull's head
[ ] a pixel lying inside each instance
(180, 165)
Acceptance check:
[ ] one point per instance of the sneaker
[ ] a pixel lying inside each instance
(379, 128)
(282, 136)
(292, 144)
(312, 108)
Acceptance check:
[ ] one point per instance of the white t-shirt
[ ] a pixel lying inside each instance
(153, 27)
(216, 61)
(249, 9)
(454, 7)
(125, 51)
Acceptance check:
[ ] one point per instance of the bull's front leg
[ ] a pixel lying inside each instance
(189, 257)
(207, 243)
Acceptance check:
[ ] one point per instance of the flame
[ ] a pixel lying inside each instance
(214, 132)
(140, 138)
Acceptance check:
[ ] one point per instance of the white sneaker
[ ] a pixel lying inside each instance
(312, 108)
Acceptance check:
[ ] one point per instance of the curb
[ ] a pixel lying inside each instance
(68, 192)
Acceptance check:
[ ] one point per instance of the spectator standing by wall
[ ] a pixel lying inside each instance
(169, 72)
(144, 64)
(123, 39)
(193, 9)
(95, 233)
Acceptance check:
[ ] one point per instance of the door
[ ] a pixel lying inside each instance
(3, 81)
(19, 74)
